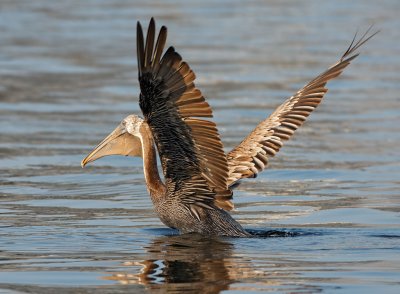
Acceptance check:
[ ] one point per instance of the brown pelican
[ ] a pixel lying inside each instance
(198, 177)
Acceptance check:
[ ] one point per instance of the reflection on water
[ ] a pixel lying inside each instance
(183, 263)
(326, 212)
(187, 262)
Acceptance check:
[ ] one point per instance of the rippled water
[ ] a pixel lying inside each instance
(329, 203)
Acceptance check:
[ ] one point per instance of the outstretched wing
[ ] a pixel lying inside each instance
(191, 152)
(251, 156)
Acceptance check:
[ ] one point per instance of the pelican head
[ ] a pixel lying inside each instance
(124, 140)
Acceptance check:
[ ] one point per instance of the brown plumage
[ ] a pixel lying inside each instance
(251, 156)
(198, 175)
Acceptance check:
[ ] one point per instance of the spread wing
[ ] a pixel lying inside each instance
(192, 157)
(251, 156)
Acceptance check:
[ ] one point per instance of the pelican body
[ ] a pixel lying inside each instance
(196, 193)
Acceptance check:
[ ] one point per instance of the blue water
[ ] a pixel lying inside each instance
(326, 212)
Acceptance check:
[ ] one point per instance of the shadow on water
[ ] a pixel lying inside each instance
(385, 236)
(256, 233)
(283, 233)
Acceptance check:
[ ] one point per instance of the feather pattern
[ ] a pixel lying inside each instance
(251, 156)
(192, 157)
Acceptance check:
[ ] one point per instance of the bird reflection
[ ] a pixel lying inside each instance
(188, 263)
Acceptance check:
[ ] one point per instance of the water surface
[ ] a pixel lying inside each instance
(326, 211)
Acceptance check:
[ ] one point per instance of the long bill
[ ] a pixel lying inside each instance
(119, 142)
